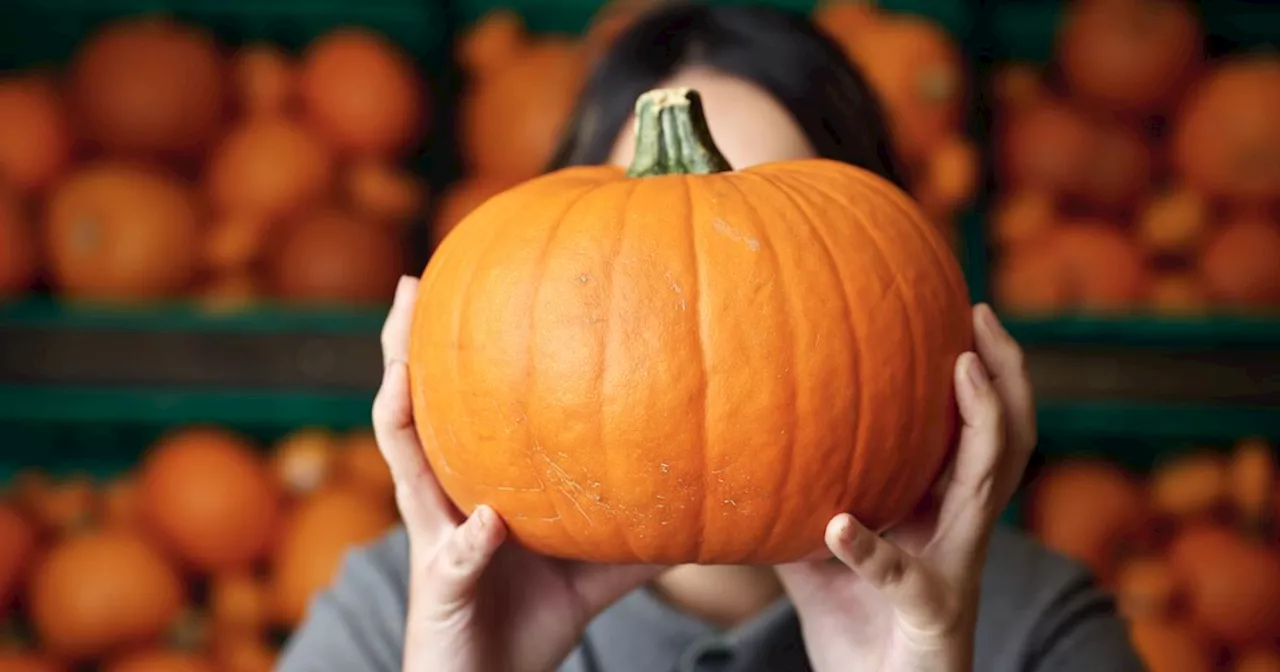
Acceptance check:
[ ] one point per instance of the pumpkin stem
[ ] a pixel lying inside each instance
(672, 137)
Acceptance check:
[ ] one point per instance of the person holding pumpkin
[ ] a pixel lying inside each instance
(948, 590)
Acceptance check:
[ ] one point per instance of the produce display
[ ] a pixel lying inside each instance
(160, 164)
(1190, 551)
(1134, 175)
(204, 556)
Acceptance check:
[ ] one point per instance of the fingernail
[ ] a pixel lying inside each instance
(977, 372)
(484, 518)
(993, 322)
(402, 288)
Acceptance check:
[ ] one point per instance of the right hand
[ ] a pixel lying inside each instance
(476, 603)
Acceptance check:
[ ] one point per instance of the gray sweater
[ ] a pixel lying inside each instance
(1039, 613)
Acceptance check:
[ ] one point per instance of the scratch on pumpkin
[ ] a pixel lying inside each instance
(572, 491)
(675, 287)
(722, 227)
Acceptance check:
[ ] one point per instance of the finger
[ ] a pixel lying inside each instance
(598, 586)
(456, 568)
(969, 507)
(423, 505)
(395, 330)
(1006, 363)
(898, 575)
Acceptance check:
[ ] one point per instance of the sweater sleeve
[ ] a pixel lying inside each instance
(357, 625)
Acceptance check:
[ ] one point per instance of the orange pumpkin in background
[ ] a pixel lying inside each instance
(543, 84)
(320, 532)
(235, 242)
(1048, 147)
(209, 497)
(461, 198)
(1146, 587)
(361, 465)
(363, 93)
(844, 20)
(1226, 141)
(491, 42)
(625, 319)
(122, 232)
(1174, 222)
(1101, 269)
(238, 604)
(1022, 217)
(18, 539)
(265, 79)
(334, 257)
(28, 661)
(150, 86)
(1026, 280)
(99, 591)
(1120, 168)
(303, 460)
(1170, 646)
(383, 191)
(1179, 293)
(1129, 57)
(1087, 510)
(1233, 584)
(268, 167)
(19, 251)
(35, 133)
(160, 660)
(1260, 659)
(1240, 263)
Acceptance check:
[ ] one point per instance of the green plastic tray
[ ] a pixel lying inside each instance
(46, 312)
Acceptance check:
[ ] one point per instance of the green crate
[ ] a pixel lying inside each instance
(46, 312)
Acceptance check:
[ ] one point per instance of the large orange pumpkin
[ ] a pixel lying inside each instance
(18, 539)
(579, 342)
(1233, 584)
(333, 257)
(1226, 140)
(35, 134)
(1241, 263)
(95, 592)
(150, 86)
(543, 85)
(268, 166)
(18, 248)
(118, 231)
(210, 498)
(363, 93)
(320, 532)
(1129, 57)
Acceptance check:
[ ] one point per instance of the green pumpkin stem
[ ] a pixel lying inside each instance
(672, 137)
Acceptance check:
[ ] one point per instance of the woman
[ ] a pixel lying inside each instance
(947, 592)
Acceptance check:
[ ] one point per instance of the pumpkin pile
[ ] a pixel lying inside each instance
(1191, 552)
(1140, 177)
(204, 557)
(162, 164)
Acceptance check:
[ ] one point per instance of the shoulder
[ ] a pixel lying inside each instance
(1042, 611)
(358, 623)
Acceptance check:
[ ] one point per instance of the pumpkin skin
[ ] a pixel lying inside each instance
(578, 345)
(1239, 264)
(150, 86)
(95, 592)
(35, 133)
(123, 232)
(1232, 583)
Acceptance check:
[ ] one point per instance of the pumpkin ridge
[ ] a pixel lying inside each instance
(699, 283)
(793, 392)
(851, 329)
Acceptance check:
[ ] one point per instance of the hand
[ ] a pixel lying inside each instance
(475, 603)
(908, 601)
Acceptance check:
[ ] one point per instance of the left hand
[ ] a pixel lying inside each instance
(907, 601)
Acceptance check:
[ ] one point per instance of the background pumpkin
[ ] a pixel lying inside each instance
(160, 660)
(35, 133)
(1241, 263)
(461, 198)
(265, 80)
(26, 661)
(19, 260)
(634, 433)
(334, 257)
(1233, 584)
(18, 539)
(268, 167)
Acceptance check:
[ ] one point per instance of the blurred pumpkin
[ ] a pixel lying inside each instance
(543, 84)
(18, 539)
(1021, 217)
(1232, 583)
(1088, 510)
(122, 232)
(230, 291)
(1146, 588)
(320, 532)
(1026, 281)
(99, 591)
(149, 86)
(19, 252)
(244, 653)
(121, 502)
(66, 505)
(35, 133)
(1226, 141)
(1253, 472)
(268, 167)
(1170, 646)
(334, 257)
(363, 93)
(265, 79)
(1101, 268)
(303, 460)
(1129, 57)
(1259, 659)
(29, 661)
(1016, 85)
(1046, 147)
(235, 242)
(491, 42)
(362, 466)
(1120, 168)
(1178, 293)
(160, 660)
(1191, 485)
(461, 198)
(1239, 264)
(238, 604)
(209, 497)
(1174, 222)
(950, 176)
(844, 20)
(384, 192)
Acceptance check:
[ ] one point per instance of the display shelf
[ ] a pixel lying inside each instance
(1210, 331)
(47, 313)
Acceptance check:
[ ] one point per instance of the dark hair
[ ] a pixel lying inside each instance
(779, 51)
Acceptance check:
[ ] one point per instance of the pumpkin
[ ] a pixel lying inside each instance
(303, 460)
(611, 20)
(1239, 263)
(67, 505)
(160, 660)
(35, 133)
(845, 20)
(122, 232)
(1226, 141)
(384, 192)
(120, 502)
(362, 466)
(363, 93)
(1089, 510)
(209, 497)
(1146, 587)
(320, 532)
(18, 539)
(19, 253)
(543, 84)
(1252, 478)
(265, 79)
(101, 590)
(1046, 147)
(149, 86)
(594, 312)
(492, 42)
(1232, 583)
(1022, 217)
(1101, 268)
(1191, 485)
(461, 198)
(334, 257)
(1026, 281)
(1119, 171)
(230, 291)
(238, 604)
(1176, 292)
(1129, 57)
(1174, 222)
(1015, 85)
(244, 653)
(950, 177)
(268, 167)
(1259, 659)
(235, 242)
(28, 661)
(1170, 646)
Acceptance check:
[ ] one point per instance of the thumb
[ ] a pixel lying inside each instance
(452, 574)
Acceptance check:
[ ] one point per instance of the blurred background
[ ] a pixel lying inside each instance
(205, 205)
